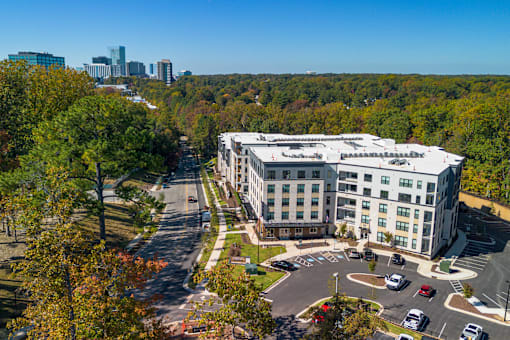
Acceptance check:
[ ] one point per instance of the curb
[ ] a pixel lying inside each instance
(185, 283)
(447, 305)
(363, 282)
(274, 285)
(493, 242)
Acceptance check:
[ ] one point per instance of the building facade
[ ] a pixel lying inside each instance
(310, 185)
(42, 59)
(98, 71)
(101, 60)
(135, 68)
(118, 57)
(184, 73)
(165, 71)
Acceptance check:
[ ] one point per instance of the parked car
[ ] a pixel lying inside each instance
(353, 253)
(369, 255)
(165, 185)
(426, 291)
(285, 265)
(472, 331)
(397, 259)
(191, 199)
(394, 281)
(415, 320)
(405, 337)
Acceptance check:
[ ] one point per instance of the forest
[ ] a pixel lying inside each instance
(466, 114)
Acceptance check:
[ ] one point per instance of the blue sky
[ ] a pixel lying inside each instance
(241, 36)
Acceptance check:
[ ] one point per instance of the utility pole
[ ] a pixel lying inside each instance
(507, 292)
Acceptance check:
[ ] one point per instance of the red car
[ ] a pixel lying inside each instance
(426, 291)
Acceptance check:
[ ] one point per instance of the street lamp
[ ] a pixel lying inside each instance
(335, 275)
(507, 292)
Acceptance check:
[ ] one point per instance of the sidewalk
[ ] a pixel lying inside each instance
(220, 241)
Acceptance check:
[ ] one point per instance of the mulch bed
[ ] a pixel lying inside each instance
(460, 302)
(375, 280)
(245, 238)
(350, 241)
(311, 245)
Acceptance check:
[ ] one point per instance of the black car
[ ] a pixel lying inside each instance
(285, 265)
(368, 255)
(397, 259)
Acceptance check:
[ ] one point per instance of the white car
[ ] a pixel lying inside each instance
(394, 281)
(472, 332)
(405, 337)
(414, 320)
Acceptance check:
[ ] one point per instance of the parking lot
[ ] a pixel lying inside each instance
(474, 256)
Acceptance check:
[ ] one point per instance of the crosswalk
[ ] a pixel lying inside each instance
(456, 285)
(474, 256)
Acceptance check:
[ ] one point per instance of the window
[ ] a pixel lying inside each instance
(301, 174)
(270, 215)
(383, 208)
(431, 187)
(368, 178)
(367, 191)
(365, 219)
(285, 202)
(403, 211)
(384, 194)
(381, 222)
(328, 200)
(270, 188)
(271, 174)
(429, 199)
(270, 202)
(425, 244)
(285, 215)
(286, 174)
(418, 199)
(427, 216)
(427, 228)
(413, 243)
(313, 230)
(298, 230)
(299, 215)
(315, 187)
(300, 201)
(401, 241)
(330, 173)
(365, 204)
(402, 226)
(343, 175)
(300, 188)
(315, 201)
(380, 236)
(406, 198)
(385, 180)
(418, 185)
(314, 215)
(316, 174)
(405, 183)
(328, 187)
(416, 213)
(415, 229)
(286, 188)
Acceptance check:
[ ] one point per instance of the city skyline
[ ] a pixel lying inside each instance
(283, 37)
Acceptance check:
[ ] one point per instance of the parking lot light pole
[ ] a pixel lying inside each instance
(506, 306)
(335, 275)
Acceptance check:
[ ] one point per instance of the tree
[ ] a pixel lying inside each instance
(343, 229)
(371, 268)
(240, 302)
(467, 290)
(388, 238)
(78, 288)
(97, 137)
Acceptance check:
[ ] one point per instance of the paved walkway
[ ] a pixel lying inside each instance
(220, 240)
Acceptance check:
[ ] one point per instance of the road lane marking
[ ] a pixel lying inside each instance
(442, 329)
(416, 293)
(497, 304)
(403, 266)
(347, 257)
(430, 299)
(389, 259)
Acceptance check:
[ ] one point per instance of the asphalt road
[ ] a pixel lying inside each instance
(178, 239)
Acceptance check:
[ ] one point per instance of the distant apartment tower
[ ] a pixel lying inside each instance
(118, 57)
(35, 58)
(153, 70)
(101, 60)
(135, 68)
(165, 71)
(98, 71)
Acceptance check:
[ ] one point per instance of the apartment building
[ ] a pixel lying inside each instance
(309, 185)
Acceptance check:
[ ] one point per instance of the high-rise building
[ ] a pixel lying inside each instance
(118, 70)
(99, 71)
(153, 69)
(165, 71)
(101, 60)
(118, 57)
(35, 58)
(135, 68)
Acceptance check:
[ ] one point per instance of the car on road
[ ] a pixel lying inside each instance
(192, 199)
(397, 259)
(394, 281)
(405, 337)
(471, 332)
(369, 255)
(285, 265)
(353, 253)
(165, 185)
(427, 291)
(415, 320)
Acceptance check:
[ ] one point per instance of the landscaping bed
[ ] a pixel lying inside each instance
(370, 279)
(460, 302)
(312, 245)
(349, 241)
(396, 250)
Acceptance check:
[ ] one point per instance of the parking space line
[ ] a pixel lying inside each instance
(474, 260)
(501, 297)
(431, 298)
(347, 257)
(494, 302)
(442, 329)
(471, 262)
(313, 258)
(503, 293)
(389, 259)
(403, 266)
(416, 293)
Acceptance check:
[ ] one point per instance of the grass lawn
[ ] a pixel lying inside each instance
(119, 225)
(8, 309)
(399, 330)
(143, 179)
(250, 249)
(264, 278)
